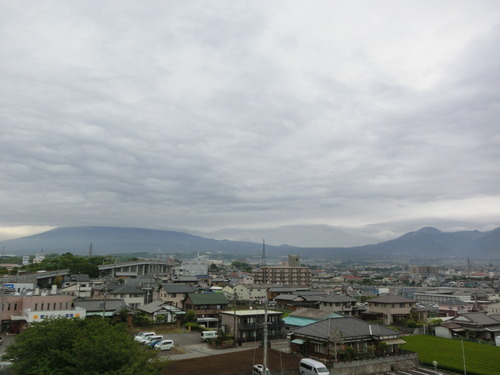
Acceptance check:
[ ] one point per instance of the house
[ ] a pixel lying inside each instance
(393, 309)
(471, 326)
(175, 293)
(248, 325)
(250, 292)
(338, 303)
(162, 312)
(131, 294)
(454, 306)
(345, 338)
(205, 305)
(77, 285)
(101, 307)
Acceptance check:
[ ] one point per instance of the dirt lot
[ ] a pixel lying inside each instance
(232, 363)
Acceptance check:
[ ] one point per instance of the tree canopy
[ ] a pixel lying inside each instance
(76, 264)
(80, 347)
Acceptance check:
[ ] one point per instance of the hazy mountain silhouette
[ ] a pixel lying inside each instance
(426, 243)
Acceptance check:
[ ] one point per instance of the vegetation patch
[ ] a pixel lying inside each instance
(480, 359)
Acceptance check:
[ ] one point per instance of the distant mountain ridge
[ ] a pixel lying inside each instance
(427, 242)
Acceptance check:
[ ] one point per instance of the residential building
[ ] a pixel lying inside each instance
(283, 275)
(162, 312)
(250, 292)
(304, 316)
(175, 293)
(339, 303)
(329, 340)
(205, 305)
(20, 310)
(394, 309)
(454, 306)
(471, 326)
(248, 325)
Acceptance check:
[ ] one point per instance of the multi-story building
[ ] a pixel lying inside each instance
(283, 275)
(393, 309)
(19, 310)
(248, 325)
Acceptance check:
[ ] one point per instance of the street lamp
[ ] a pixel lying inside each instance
(435, 364)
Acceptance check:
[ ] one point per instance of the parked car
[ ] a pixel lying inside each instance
(142, 335)
(259, 370)
(164, 345)
(152, 343)
(150, 339)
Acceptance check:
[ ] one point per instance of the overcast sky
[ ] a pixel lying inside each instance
(313, 123)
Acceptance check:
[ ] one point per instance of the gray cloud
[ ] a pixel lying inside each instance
(235, 119)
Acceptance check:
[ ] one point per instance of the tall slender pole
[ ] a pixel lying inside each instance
(265, 335)
(463, 356)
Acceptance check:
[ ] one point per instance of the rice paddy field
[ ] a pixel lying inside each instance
(480, 359)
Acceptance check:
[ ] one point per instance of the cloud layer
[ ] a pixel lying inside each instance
(237, 118)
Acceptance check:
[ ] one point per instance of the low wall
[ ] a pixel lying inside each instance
(376, 365)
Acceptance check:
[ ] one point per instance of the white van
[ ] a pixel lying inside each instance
(309, 366)
(165, 345)
(208, 335)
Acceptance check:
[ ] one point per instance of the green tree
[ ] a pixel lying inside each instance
(80, 347)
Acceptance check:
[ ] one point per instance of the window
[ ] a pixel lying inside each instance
(8, 307)
(319, 348)
(15, 306)
(54, 306)
(36, 306)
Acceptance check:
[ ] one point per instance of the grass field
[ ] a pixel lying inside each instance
(480, 359)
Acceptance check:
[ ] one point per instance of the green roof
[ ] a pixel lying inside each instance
(208, 298)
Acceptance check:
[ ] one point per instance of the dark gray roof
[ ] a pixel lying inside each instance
(480, 318)
(208, 299)
(389, 298)
(160, 305)
(454, 302)
(347, 327)
(178, 288)
(337, 298)
(127, 289)
(100, 304)
(289, 297)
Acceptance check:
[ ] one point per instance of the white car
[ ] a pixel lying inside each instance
(164, 345)
(259, 370)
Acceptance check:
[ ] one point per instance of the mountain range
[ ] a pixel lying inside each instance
(427, 242)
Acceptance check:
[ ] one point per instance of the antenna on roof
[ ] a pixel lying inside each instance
(263, 252)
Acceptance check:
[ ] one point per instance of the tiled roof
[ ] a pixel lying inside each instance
(178, 288)
(346, 327)
(100, 304)
(389, 298)
(208, 298)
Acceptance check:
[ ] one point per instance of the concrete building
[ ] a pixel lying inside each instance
(248, 325)
(283, 275)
